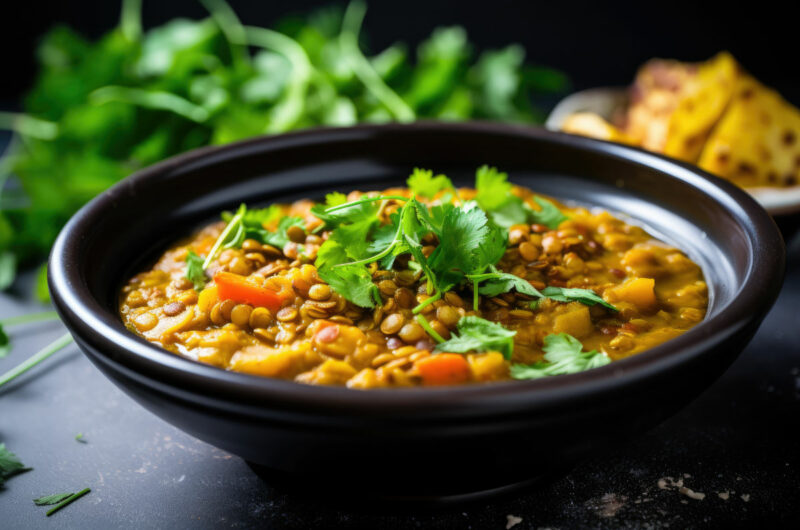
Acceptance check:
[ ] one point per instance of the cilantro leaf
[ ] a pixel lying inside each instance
(476, 334)
(8, 269)
(549, 214)
(10, 464)
(462, 233)
(279, 237)
(354, 281)
(422, 182)
(502, 282)
(5, 343)
(493, 188)
(41, 289)
(52, 499)
(563, 355)
(335, 199)
(584, 296)
(494, 195)
(194, 270)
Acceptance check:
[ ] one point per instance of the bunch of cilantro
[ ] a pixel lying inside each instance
(101, 110)
(471, 239)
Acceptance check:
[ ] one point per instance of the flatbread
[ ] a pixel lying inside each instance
(593, 126)
(757, 141)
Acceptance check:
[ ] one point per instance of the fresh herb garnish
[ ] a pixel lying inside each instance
(5, 341)
(41, 289)
(584, 296)
(353, 281)
(88, 119)
(422, 182)
(195, 271)
(68, 500)
(55, 498)
(10, 464)
(476, 334)
(494, 195)
(8, 269)
(563, 355)
(549, 215)
(36, 358)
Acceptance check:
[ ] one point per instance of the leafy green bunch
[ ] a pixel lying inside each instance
(101, 110)
(471, 239)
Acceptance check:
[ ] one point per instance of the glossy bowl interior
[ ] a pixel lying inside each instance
(306, 430)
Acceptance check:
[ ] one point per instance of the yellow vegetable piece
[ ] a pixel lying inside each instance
(576, 322)
(638, 291)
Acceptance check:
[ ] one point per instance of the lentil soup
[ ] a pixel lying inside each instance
(424, 285)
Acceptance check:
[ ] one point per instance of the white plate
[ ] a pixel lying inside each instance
(604, 101)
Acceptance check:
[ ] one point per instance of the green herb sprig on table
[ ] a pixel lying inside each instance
(101, 110)
(60, 500)
(10, 465)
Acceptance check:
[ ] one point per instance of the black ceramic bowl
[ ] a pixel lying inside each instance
(416, 441)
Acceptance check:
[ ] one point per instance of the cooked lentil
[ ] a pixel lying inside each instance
(316, 336)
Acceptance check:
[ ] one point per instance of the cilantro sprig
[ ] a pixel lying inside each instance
(476, 334)
(10, 464)
(563, 355)
(495, 196)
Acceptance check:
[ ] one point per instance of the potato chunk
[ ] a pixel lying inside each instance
(576, 322)
(638, 291)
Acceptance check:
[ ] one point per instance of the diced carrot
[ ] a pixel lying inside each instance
(244, 291)
(443, 369)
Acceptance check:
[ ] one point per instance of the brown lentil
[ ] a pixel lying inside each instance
(318, 337)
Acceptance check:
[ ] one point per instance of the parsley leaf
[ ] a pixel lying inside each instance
(422, 182)
(563, 355)
(52, 499)
(584, 296)
(194, 270)
(10, 464)
(476, 334)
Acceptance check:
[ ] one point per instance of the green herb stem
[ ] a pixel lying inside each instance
(32, 317)
(348, 40)
(426, 303)
(67, 501)
(233, 224)
(427, 327)
(130, 20)
(38, 357)
(151, 99)
(28, 125)
(365, 200)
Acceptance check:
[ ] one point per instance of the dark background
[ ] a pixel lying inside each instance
(596, 43)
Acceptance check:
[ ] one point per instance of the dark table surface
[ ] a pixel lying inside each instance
(737, 445)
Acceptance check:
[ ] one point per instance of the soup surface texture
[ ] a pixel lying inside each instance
(424, 285)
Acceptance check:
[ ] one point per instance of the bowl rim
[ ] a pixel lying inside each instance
(154, 365)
